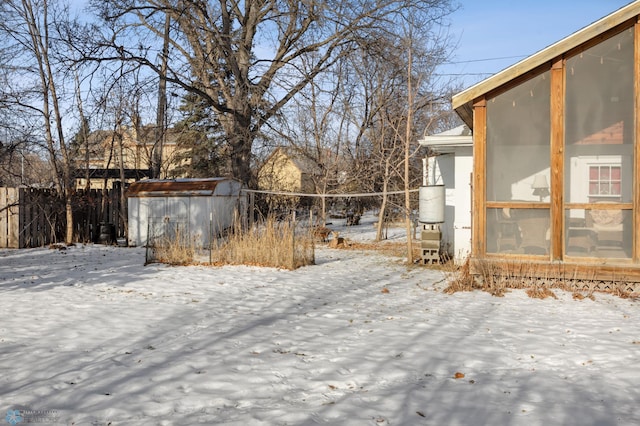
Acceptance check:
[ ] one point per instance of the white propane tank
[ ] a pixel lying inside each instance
(431, 204)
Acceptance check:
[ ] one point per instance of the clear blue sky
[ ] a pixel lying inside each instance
(515, 29)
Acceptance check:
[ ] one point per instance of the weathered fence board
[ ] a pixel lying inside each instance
(33, 217)
(8, 217)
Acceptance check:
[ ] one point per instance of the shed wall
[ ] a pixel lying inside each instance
(200, 214)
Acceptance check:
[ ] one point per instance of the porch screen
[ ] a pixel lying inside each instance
(518, 141)
(599, 138)
(518, 162)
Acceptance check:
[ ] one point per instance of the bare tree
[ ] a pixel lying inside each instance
(407, 149)
(243, 57)
(161, 120)
(30, 31)
(311, 125)
(395, 95)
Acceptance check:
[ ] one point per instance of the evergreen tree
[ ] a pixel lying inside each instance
(200, 141)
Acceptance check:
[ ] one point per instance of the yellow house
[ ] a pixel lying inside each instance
(288, 170)
(125, 150)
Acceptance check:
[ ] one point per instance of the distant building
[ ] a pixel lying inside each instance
(127, 149)
(288, 170)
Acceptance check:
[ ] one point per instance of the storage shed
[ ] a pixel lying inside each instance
(199, 208)
(556, 180)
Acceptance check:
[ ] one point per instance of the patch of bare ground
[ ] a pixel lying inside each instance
(387, 248)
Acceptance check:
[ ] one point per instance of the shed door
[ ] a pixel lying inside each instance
(178, 216)
(157, 218)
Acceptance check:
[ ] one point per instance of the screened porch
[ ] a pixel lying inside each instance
(555, 160)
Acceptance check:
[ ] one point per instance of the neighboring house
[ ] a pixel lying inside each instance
(556, 146)
(288, 170)
(132, 149)
(452, 167)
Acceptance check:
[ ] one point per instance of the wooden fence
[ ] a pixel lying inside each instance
(34, 217)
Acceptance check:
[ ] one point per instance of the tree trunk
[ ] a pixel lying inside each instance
(383, 208)
(122, 211)
(241, 162)
(39, 34)
(407, 154)
(240, 140)
(160, 131)
(68, 239)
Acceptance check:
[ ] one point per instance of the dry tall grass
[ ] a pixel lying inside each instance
(497, 278)
(276, 244)
(177, 249)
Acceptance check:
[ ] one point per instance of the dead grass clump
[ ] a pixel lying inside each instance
(274, 244)
(487, 280)
(176, 250)
(59, 246)
(617, 290)
(322, 233)
(579, 296)
(493, 278)
(540, 292)
(493, 281)
(462, 280)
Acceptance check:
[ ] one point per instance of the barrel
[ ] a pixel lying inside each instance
(107, 233)
(431, 204)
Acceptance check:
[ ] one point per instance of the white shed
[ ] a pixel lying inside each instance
(200, 208)
(453, 167)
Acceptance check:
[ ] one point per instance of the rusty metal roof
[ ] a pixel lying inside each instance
(174, 186)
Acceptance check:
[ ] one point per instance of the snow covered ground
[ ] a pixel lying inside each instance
(89, 335)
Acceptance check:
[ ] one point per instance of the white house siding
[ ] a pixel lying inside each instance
(454, 167)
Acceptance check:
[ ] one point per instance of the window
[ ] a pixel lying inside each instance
(604, 181)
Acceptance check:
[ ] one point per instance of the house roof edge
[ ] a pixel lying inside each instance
(462, 101)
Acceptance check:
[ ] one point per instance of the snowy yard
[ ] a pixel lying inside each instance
(89, 335)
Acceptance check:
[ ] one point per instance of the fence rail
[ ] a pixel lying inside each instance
(34, 217)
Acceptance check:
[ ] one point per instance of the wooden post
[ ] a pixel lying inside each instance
(293, 241)
(252, 206)
(4, 218)
(636, 149)
(13, 218)
(22, 218)
(8, 222)
(478, 208)
(557, 159)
